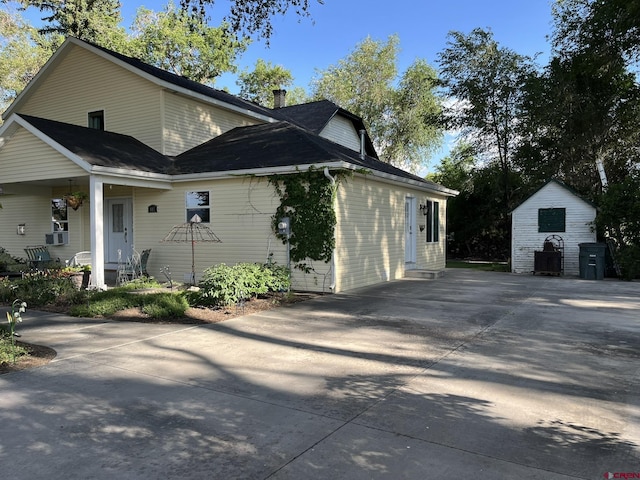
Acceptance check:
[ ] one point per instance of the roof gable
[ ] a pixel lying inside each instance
(153, 74)
(560, 184)
(315, 116)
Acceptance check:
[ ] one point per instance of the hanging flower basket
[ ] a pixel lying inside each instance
(75, 199)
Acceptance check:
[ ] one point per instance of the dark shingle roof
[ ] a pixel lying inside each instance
(276, 145)
(102, 148)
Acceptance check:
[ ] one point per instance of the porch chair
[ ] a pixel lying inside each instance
(80, 259)
(128, 269)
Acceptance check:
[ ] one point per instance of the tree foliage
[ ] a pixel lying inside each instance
(484, 81)
(258, 85)
(580, 110)
(475, 225)
(403, 120)
(253, 17)
(184, 44)
(608, 28)
(23, 50)
(96, 21)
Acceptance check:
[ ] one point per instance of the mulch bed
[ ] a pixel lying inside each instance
(38, 355)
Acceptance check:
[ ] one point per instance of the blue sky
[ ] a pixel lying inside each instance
(306, 45)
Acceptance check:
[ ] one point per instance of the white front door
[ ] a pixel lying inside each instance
(410, 232)
(119, 229)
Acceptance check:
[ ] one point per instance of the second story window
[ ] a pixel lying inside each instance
(96, 120)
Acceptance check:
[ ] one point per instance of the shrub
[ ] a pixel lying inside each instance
(628, 257)
(223, 285)
(38, 288)
(164, 305)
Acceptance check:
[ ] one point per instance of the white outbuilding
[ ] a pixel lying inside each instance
(554, 221)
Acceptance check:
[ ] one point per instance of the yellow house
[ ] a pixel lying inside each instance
(150, 149)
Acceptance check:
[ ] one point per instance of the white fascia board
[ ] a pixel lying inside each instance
(50, 142)
(254, 172)
(173, 88)
(259, 172)
(132, 178)
(402, 181)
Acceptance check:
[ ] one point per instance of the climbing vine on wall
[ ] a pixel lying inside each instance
(307, 198)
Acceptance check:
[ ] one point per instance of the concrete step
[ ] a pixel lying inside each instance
(428, 274)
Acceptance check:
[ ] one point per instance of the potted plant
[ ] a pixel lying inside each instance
(75, 199)
(78, 274)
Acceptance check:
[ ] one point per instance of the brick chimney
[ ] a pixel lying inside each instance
(279, 98)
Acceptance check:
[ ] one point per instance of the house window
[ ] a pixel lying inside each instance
(551, 219)
(198, 204)
(432, 213)
(96, 120)
(59, 218)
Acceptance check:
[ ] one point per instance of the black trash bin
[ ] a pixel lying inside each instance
(592, 260)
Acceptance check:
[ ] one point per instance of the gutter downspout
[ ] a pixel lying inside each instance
(332, 287)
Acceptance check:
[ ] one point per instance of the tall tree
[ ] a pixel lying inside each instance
(96, 21)
(22, 52)
(182, 43)
(253, 17)
(258, 85)
(608, 28)
(485, 82)
(403, 120)
(580, 111)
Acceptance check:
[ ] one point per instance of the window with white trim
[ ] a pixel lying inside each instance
(198, 204)
(59, 217)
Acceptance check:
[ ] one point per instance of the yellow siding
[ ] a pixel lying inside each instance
(188, 123)
(83, 82)
(241, 211)
(370, 243)
(431, 256)
(24, 157)
(370, 239)
(33, 208)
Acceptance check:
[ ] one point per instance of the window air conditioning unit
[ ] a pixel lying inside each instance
(57, 238)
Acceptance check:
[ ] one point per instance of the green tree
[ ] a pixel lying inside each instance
(619, 216)
(96, 21)
(475, 225)
(253, 17)
(403, 120)
(602, 28)
(258, 85)
(485, 82)
(23, 50)
(184, 44)
(581, 110)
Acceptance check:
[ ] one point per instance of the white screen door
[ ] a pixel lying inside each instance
(119, 228)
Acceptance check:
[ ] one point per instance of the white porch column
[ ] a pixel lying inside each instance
(96, 200)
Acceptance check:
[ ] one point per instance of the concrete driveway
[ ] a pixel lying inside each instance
(475, 375)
